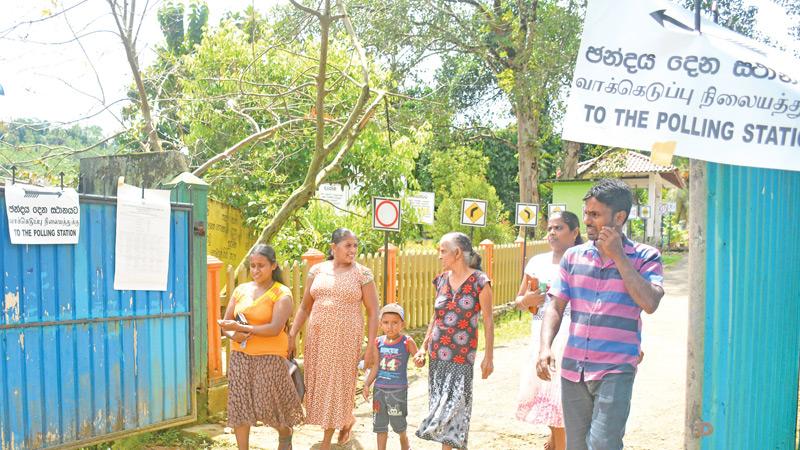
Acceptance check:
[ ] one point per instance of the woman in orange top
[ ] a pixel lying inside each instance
(259, 385)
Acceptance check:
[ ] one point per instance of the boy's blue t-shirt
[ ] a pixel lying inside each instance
(392, 363)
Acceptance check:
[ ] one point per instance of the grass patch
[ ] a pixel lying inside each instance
(509, 326)
(670, 258)
(171, 438)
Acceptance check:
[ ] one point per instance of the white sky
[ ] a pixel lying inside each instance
(57, 82)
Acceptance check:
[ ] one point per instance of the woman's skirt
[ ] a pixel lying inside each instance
(539, 401)
(260, 388)
(450, 404)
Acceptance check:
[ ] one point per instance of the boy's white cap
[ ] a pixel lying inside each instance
(394, 308)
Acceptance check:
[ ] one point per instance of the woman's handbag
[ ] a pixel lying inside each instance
(296, 373)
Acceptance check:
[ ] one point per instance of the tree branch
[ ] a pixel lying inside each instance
(203, 168)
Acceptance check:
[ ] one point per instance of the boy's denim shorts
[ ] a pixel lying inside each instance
(389, 406)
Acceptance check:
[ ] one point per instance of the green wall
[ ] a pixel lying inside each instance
(571, 193)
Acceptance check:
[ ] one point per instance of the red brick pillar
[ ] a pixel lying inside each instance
(312, 257)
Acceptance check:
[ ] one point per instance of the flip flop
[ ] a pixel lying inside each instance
(345, 436)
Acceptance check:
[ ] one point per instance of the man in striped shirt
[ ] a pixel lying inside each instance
(607, 282)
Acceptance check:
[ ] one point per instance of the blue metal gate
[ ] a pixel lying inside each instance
(752, 319)
(82, 362)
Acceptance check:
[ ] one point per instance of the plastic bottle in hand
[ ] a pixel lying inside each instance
(533, 286)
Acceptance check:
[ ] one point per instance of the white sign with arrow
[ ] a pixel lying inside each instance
(644, 77)
(527, 214)
(473, 212)
(42, 215)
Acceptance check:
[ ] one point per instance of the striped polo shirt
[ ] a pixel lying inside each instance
(606, 325)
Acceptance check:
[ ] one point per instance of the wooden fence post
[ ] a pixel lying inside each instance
(488, 257)
(391, 279)
(312, 257)
(213, 267)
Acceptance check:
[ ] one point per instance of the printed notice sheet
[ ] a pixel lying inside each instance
(142, 244)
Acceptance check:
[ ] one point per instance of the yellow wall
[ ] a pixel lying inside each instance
(228, 237)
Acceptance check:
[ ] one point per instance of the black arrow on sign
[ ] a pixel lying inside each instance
(661, 15)
(472, 211)
(35, 194)
(527, 214)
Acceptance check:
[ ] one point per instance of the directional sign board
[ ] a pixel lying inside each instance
(527, 214)
(644, 212)
(553, 208)
(42, 215)
(473, 212)
(634, 212)
(644, 76)
(385, 214)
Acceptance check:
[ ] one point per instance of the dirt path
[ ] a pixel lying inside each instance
(656, 420)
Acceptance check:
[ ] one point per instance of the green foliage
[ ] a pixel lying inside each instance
(733, 14)
(312, 228)
(170, 18)
(675, 236)
(173, 438)
(448, 214)
(41, 150)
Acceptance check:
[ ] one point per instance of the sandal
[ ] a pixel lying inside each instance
(345, 434)
(283, 441)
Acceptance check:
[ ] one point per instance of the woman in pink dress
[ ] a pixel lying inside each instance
(539, 401)
(334, 295)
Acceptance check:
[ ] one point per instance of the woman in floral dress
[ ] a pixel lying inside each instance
(335, 292)
(463, 297)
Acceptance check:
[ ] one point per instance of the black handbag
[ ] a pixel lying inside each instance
(296, 373)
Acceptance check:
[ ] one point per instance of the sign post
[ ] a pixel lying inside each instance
(644, 214)
(527, 216)
(473, 214)
(385, 217)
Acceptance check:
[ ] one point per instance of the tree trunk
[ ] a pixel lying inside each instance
(572, 151)
(528, 149)
(154, 144)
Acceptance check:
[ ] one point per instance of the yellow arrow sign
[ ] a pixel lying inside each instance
(526, 215)
(474, 212)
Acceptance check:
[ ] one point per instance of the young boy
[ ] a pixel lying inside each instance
(390, 400)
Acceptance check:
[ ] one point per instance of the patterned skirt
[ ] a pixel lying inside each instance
(260, 388)
(539, 401)
(450, 404)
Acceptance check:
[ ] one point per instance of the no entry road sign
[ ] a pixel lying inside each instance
(385, 214)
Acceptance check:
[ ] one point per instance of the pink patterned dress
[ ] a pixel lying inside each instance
(539, 401)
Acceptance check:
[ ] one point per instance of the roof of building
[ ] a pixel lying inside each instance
(625, 164)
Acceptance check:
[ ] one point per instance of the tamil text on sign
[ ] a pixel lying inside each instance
(643, 76)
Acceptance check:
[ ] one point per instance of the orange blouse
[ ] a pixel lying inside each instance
(259, 312)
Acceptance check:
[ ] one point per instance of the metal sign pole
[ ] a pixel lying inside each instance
(385, 265)
(524, 249)
(472, 235)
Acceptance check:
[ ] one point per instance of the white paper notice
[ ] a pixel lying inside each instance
(42, 215)
(142, 245)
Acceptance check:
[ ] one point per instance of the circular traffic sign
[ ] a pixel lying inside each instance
(387, 214)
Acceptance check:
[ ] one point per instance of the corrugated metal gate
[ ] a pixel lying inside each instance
(83, 362)
(752, 308)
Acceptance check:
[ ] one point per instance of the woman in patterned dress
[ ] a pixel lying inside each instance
(463, 295)
(335, 290)
(259, 385)
(539, 401)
